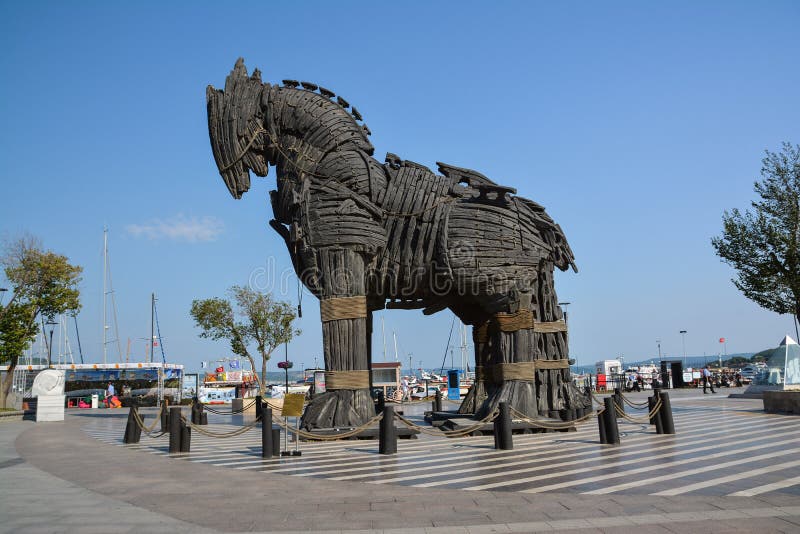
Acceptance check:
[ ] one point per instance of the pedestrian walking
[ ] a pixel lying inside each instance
(707, 382)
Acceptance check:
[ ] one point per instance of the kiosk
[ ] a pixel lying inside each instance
(453, 385)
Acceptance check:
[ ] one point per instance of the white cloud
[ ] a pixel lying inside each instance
(179, 228)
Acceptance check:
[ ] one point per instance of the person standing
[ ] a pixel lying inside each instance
(110, 393)
(707, 382)
(404, 389)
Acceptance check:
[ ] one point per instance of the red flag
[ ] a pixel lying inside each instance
(722, 340)
(220, 369)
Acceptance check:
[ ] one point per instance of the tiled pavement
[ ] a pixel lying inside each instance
(730, 468)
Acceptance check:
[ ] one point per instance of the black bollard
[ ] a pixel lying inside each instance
(437, 402)
(387, 433)
(174, 430)
(381, 403)
(610, 417)
(651, 403)
(195, 415)
(276, 441)
(202, 416)
(266, 433)
(131, 436)
(618, 399)
(186, 437)
(666, 414)
(601, 427)
(502, 429)
(164, 419)
(259, 408)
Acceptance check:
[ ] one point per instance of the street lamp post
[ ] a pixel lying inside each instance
(51, 324)
(564, 306)
(683, 339)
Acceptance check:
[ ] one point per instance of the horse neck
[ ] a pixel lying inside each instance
(304, 126)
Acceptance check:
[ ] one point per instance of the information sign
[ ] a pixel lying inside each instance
(293, 404)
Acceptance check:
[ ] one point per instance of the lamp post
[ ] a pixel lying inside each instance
(683, 339)
(2, 297)
(51, 324)
(564, 306)
(658, 342)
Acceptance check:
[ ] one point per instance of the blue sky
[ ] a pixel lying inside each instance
(635, 124)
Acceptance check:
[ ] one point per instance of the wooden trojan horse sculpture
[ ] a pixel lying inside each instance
(365, 236)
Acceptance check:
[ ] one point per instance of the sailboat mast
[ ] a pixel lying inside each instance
(463, 333)
(78, 337)
(152, 325)
(394, 335)
(383, 334)
(105, 294)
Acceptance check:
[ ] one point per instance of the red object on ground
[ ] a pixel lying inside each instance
(601, 381)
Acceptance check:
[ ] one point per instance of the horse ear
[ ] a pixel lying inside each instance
(239, 69)
(239, 72)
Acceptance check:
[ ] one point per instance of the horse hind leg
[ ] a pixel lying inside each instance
(478, 391)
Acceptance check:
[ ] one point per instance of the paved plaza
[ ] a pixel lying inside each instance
(729, 468)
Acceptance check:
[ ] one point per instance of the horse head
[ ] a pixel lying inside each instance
(236, 128)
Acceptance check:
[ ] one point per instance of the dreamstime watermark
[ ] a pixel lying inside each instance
(460, 276)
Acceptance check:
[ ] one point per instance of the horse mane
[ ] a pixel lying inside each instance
(328, 94)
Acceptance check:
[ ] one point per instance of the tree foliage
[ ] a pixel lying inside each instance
(762, 244)
(42, 285)
(248, 318)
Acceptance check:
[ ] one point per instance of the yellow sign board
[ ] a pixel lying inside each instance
(293, 404)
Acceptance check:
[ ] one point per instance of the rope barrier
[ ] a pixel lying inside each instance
(552, 426)
(595, 399)
(646, 420)
(148, 431)
(334, 437)
(232, 412)
(633, 404)
(448, 433)
(237, 432)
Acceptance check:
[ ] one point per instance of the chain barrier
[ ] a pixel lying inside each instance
(552, 426)
(148, 431)
(646, 420)
(448, 433)
(334, 437)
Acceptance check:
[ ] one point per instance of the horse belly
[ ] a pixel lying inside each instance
(415, 202)
(487, 246)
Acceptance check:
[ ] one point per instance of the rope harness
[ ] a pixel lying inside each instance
(334, 309)
(346, 380)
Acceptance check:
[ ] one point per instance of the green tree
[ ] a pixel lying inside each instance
(43, 284)
(762, 244)
(248, 318)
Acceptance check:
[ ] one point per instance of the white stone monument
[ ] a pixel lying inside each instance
(48, 388)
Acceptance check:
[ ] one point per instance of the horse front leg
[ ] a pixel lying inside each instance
(343, 309)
